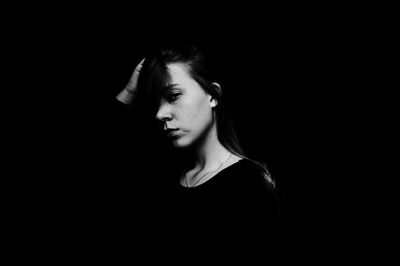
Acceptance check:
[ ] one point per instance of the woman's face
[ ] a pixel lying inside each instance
(186, 109)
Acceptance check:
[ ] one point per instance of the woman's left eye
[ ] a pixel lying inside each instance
(173, 97)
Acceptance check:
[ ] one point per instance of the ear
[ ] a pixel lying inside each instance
(213, 101)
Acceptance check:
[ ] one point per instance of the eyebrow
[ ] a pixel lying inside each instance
(170, 86)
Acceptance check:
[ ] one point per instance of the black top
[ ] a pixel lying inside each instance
(238, 202)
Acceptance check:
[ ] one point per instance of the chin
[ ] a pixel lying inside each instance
(181, 143)
(178, 145)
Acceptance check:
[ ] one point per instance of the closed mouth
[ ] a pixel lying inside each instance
(171, 131)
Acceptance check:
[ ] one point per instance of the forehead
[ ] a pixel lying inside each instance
(179, 78)
(179, 74)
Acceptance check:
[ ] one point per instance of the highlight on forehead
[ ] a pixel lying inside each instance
(165, 83)
(157, 79)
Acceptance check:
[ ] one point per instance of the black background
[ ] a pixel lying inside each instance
(81, 162)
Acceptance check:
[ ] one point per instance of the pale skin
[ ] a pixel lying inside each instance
(190, 109)
(127, 95)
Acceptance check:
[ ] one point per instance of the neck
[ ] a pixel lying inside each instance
(210, 153)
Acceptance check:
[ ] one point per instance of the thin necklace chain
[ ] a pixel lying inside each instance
(198, 180)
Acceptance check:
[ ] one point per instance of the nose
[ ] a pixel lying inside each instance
(164, 113)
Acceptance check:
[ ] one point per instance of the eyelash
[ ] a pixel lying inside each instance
(173, 97)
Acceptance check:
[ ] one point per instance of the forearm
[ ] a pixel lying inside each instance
(126, 97)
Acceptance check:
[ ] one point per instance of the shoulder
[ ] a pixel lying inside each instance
(248, 173)
(248, 182)
(255, 202)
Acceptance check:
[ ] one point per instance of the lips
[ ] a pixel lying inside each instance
(171, 131)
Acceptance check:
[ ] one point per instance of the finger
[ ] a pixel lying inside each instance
(132, 83)
(139, 66)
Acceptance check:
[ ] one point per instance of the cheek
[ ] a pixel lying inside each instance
(200, 115)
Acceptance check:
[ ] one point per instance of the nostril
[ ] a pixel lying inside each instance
(165, 116)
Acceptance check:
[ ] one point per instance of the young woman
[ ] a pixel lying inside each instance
(219, 191)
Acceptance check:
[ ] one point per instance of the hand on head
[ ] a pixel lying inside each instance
(132, 83)
(127, 95)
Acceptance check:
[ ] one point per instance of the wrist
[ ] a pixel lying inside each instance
(132, 92)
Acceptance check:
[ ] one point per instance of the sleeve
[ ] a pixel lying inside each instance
(257, 204)
(254, 211)
(250, 220)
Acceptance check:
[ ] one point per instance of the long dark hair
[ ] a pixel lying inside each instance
(204, 69)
